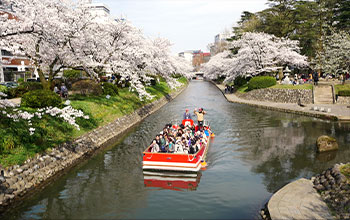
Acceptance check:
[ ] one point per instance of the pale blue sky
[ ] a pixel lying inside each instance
(188, 24)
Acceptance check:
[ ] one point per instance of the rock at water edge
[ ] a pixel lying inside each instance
(326, 143)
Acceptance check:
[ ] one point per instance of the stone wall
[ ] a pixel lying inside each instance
(343, 100)
(279, 95)
(334, 189)
(19, 181)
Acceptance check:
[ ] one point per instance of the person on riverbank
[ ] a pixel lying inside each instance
(187, 115)
(200, 116)
(64, 91)
(315, 77)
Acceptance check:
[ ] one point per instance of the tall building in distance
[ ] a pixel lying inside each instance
(220, 43)
(98, 10)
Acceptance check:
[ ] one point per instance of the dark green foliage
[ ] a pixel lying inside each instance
(240, 81)
(261, 82)
(16, 143)
(344, 93)
(72, 73)
(87, 87)
(109, 89)
(24, 88)
(40, 99)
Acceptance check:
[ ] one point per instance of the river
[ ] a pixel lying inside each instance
(255, 152)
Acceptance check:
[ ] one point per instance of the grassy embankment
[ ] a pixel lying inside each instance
(16, 145)
(244, 89)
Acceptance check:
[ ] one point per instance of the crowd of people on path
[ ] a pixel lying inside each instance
(313, 77)
(181, 139)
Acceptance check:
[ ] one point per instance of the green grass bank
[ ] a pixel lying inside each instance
(16, 145)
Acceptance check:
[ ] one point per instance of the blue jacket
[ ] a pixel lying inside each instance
(187, 116)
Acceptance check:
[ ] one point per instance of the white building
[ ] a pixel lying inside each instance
(98, 10)
(188, 54)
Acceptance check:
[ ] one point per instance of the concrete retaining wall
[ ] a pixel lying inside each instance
(279, 95)
(19, 181)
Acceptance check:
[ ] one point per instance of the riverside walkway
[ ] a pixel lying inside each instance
(337, 112)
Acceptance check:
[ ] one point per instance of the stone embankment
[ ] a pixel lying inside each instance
(334, 189)
(16, 182)
(343, 100)
(326, 193)
(279, 95)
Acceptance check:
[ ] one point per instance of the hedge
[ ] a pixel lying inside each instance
(109, 89)
(24, 88)
(261, 82)
(344, 92)
(41, 99)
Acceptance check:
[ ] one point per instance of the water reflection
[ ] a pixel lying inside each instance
(284, 148)
(172, 180)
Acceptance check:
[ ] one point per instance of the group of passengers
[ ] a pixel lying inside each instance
(179, 139)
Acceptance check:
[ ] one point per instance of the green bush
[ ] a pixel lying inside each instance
(344, 92)
(40, 99)
(87, 87)
(20, 80)
(3, 89)
(240, 81)
(109, 89)
(71, 73)
(24, 88)
(261, 82)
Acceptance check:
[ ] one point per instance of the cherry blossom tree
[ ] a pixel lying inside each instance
(257, 53)
(53, 23)
(335, 57)
(64, 34)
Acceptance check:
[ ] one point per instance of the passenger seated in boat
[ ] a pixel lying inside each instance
(162, 143)
(154, 147)
(171, 148)
(157, 140)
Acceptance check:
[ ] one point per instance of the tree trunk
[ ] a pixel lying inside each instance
(46, 84)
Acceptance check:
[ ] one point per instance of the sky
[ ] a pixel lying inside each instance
(188, 24)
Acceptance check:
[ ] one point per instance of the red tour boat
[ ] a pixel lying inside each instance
(183, 162)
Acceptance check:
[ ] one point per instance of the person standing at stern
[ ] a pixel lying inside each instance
(200, 116)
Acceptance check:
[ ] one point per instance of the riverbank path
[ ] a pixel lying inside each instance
(337, 112)
(298, 200)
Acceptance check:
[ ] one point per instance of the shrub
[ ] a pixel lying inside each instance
(3, 89)
(261, 82)
(40, 99)
(344, 92)
(87, 87)
(109, 89)
(71, 73)
(20, 80)
(240, 81)
(24, 88)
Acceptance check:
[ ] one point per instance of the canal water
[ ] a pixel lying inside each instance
(255, 152)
